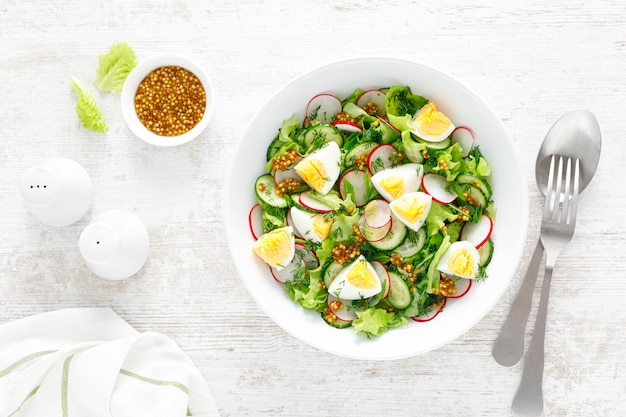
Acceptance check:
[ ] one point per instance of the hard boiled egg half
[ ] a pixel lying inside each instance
(310, 226)
(320, 169)
(412, 209)
(276, 248)
(394, 182)
(460, 260)
(357, 280)
(431, 125)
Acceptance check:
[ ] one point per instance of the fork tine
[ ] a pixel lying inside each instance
(550, 189)
(574, 202)
(566, 191)
(558, 190)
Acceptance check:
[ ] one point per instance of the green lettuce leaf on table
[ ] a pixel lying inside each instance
(114, 67)
(87, 109)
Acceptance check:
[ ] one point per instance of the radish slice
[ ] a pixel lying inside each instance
(357, 180)
(385, 121)
(436, 186)
(373, 96)
(312, 204)
(462, 287)
(377, 213)
(478, 233)
(323, 107)
(464, 136)
(343, 313)
(383, 275)
(255, 220)
(374, 234)
(308, 256)
(281, 175)
(432, 313)
(288, 272)
(380, 158)
(347, 127)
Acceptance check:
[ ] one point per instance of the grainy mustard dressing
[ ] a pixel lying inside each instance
(170, 101)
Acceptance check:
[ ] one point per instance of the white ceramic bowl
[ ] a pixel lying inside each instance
(464, 107)
(134, 79)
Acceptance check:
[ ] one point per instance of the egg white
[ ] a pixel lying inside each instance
(454, 248)
(409, 174)
(420, 133)
(303, 222)
(423, 199)
(280, 263)
(330, 158)
(342, 288)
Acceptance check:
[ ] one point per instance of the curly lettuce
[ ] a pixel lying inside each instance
(309, 292)
(114, 67)
(400, 101)
(87, 109)
(375, 321)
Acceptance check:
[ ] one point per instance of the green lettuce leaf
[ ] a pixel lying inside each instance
(433, 274)
(289, 129)
(400, 101)
(413, 150)
(375, 321)
(309, 292)
(437, 218)
(334, 201)
(87, 109)
(114, 67)
(449, 162)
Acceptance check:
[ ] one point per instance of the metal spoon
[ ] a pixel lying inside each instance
(576, 134)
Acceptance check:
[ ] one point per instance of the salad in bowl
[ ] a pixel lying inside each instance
(373, 225)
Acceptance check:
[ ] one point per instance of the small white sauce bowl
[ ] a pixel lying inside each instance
(138, 74)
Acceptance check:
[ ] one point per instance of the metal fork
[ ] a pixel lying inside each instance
(557, 228)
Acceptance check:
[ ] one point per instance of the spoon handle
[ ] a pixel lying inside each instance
(528, 400)
(508, 348)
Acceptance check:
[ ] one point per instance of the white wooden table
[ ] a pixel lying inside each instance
(531, 60)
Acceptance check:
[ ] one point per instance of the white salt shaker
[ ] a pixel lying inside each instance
(115, 244)
(57, 192)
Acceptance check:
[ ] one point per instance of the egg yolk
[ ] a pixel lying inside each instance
(361, 277)
(393, 185)
(313, 173)
(461, 263)
(431, 121)
(273, 247)
(410, 208)
(321, 227)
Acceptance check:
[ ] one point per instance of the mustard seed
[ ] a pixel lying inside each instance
(170, 101)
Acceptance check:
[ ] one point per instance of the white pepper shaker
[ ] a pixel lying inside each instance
(115, 245)
(57, 192)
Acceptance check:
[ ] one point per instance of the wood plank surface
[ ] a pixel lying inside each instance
(531, 60)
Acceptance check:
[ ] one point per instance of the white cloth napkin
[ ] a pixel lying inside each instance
(88, 362)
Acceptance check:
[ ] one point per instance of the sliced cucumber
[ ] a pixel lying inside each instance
(399, 293)
(393, 238)
(274, 147)
(335, 321)
(413, 243)
(486, 253)
(266, 191)
(471, 195)
(476, 181)
(327, 132)
(331, 272)
(477, 197)
(359, 150)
